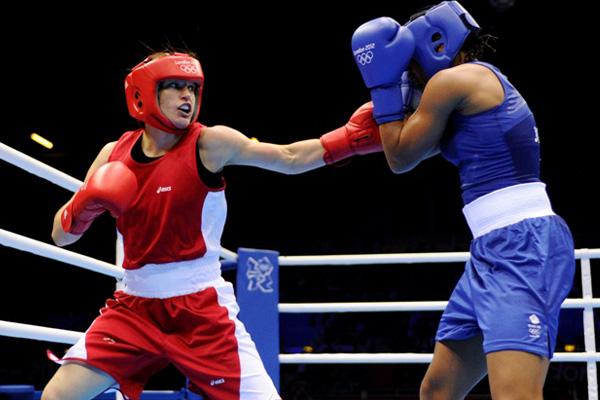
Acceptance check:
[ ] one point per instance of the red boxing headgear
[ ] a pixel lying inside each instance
(141, 88)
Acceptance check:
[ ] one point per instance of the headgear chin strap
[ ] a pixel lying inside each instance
(439, 34)
(141, 88)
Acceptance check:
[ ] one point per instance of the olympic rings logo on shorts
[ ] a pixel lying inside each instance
(365, 58)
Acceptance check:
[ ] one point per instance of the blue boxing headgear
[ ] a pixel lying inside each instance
(439, 34)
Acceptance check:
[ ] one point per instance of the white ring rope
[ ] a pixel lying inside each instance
(398, 258)
(69, 337)
(26, 331)
(402, 358)
(372, 259)
(228, 254)
(38, 168)
(56, 253)
(398, 306)
(589, 334)
(24, 243)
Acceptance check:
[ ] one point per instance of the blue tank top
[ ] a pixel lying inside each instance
(496, 148)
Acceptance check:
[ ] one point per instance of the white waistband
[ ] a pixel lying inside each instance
(507, 206)
(171, 279)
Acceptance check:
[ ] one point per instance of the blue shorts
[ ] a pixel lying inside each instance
(513, 287)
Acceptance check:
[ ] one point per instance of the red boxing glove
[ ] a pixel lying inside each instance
(359, 136)
(112, 187)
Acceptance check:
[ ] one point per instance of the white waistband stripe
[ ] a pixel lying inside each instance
(507, 206)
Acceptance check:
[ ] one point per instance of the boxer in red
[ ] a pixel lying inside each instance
(164, 185)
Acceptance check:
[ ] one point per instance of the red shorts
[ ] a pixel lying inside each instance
(134, 337)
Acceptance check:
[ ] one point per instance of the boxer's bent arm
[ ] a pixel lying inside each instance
(59, 236)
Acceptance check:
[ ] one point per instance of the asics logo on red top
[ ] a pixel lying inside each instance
(217, 381)
(163, 189)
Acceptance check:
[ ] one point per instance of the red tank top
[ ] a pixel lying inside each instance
(175, 216)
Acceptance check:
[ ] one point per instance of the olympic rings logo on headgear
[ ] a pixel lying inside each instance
(141, 88)
(188, 67)
(365, 58)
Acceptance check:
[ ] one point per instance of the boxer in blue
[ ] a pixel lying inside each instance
(502, 316)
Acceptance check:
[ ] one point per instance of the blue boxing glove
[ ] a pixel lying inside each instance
(382, 50)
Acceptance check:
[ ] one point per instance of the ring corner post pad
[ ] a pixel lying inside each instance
(257, 292)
